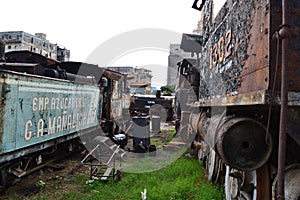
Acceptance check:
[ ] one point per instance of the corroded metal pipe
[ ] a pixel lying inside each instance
(239, 142)
(284, 34)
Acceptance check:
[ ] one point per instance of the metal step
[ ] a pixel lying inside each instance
(113, 147)
(18, 172)
(106, 174)
(122, 152)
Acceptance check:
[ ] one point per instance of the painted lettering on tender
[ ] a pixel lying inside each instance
(59, 114)
(228, 39)
(28, 132)
(221, 50)
(55, 103)
(60, 123)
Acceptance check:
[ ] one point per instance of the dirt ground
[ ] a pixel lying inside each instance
(56, 177)
(50, 179)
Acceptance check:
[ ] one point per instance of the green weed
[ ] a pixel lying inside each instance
(183, 179)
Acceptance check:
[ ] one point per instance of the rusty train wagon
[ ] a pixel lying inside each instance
(44, 105)
(231, 95)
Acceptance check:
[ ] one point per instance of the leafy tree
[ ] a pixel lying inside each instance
(167, 88)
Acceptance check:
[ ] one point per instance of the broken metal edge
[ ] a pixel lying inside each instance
(262, 97)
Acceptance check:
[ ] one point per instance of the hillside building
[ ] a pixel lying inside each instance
(38, 43)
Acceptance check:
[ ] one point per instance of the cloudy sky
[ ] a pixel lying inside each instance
(83, 26)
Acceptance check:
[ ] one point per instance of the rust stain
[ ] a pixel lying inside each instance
(2, 105)
(253, 98)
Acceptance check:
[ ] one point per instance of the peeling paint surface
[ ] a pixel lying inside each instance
(234, 59)
(36, 109)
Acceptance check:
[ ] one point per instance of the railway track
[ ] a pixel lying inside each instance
(49, 177)
(27, 167)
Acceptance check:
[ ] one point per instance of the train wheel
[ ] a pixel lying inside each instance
(200, 147)
(186, 133)
(119, 175)
(212, 166)
(245, 185)
(233, 181)
(220, 171)
(291, 182)
(202, 151)
(200, 155)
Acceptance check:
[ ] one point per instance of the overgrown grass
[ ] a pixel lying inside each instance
(183, 179)
(165, 136)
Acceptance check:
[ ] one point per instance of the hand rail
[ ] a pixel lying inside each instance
(111, 157)
(108, 162)
(90, 153)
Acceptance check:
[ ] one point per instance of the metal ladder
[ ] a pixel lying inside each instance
(104, 160)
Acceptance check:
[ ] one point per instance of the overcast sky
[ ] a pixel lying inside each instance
(82, 26)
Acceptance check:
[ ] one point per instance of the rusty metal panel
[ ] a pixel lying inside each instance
(254, 98)
(8, 115)
(116, 109)
(293, 68)
(235, 58)
(25, 56)
(293, 116)
(255, 81)
(37, 109)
